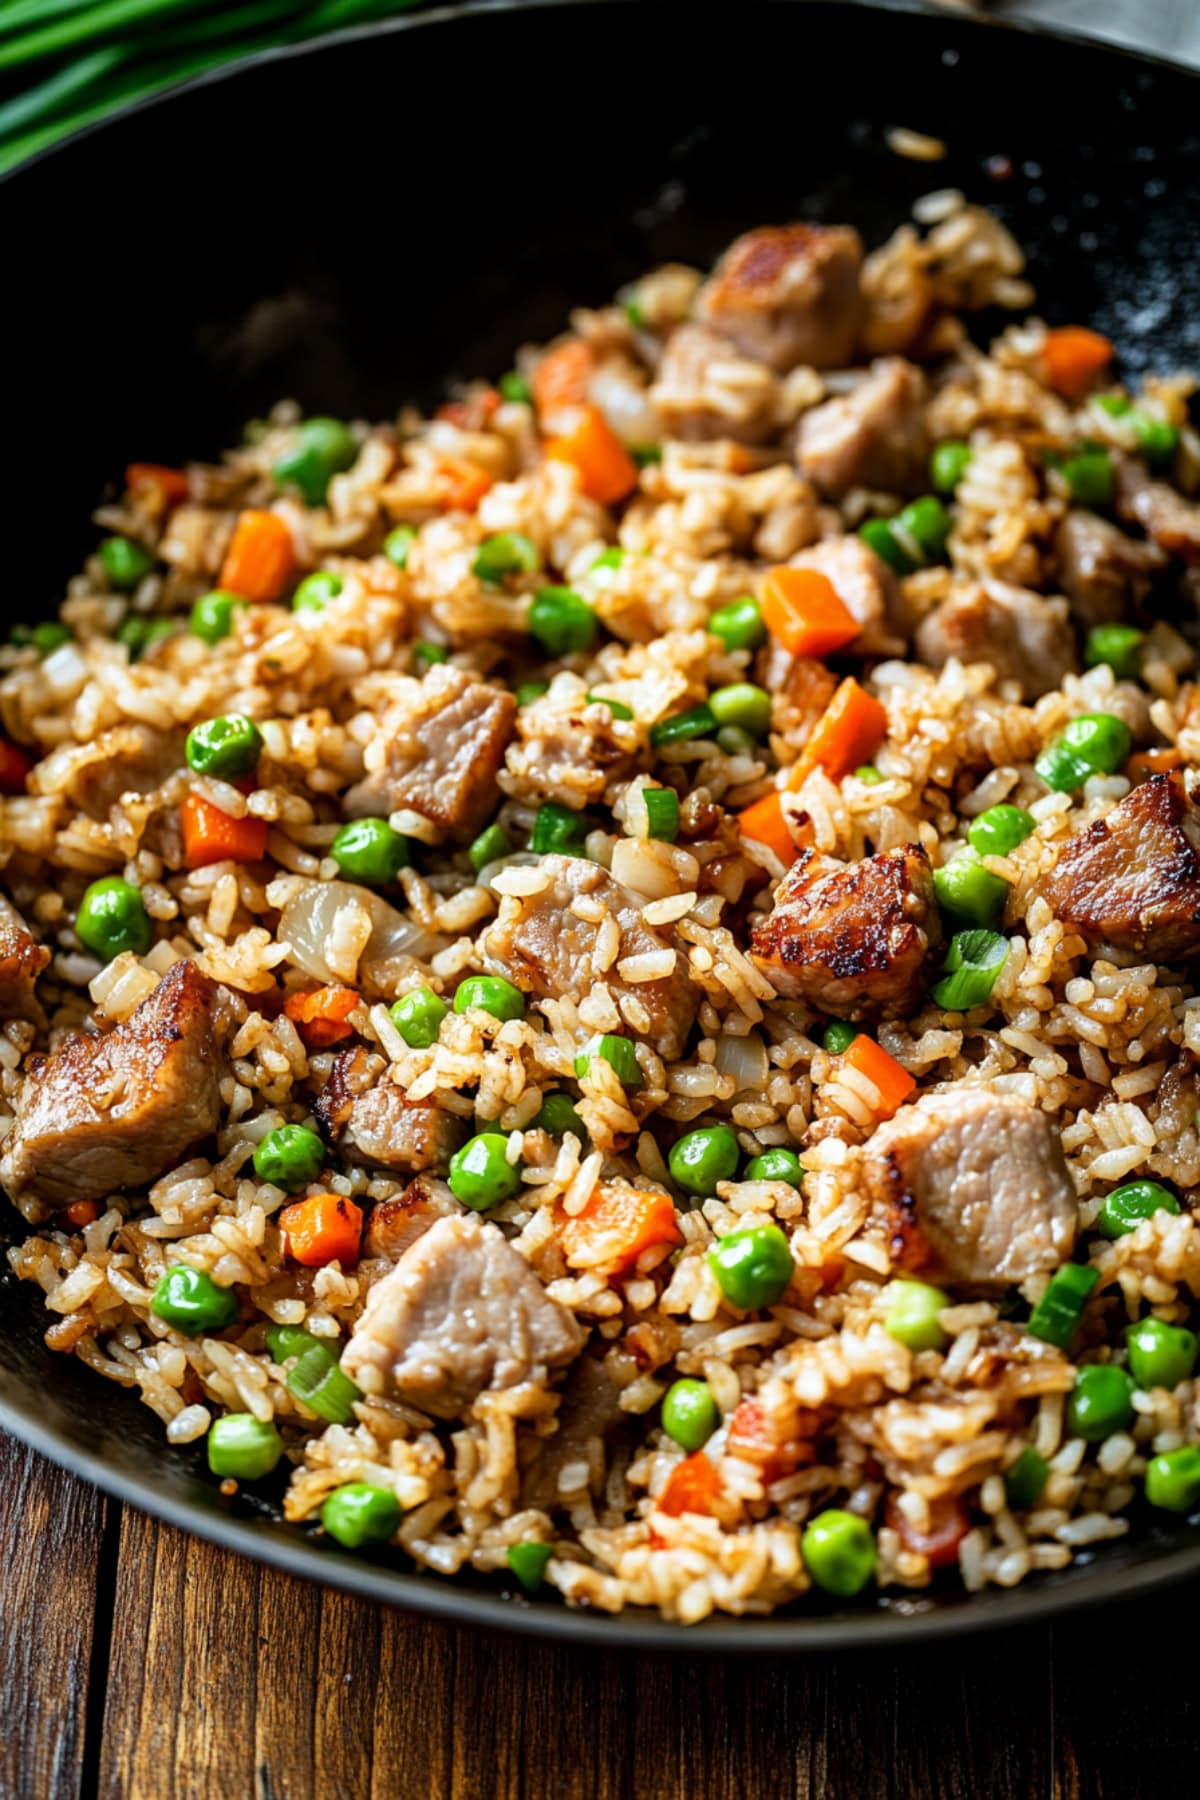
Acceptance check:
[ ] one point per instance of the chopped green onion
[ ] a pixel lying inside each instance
(1157, 440)
(1055, 1318)
(973, 962)
(1025, 1480)
(529, 691)
(425, 654)
(1093, 744)
(617, 708)
(398, 543)
(619, 1053)
(948, 464)
(697, 722)
(1120, 646)
(878, 534)
(562, 621)
(491, 844)
(645, 454)
(324, 1388)
(528, 1563)
(662, 813)
(505, 553)
(284, 1341)
(558, 828)
(515, 389)
(50, 635)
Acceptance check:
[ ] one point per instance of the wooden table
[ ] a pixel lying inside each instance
(140, 1664)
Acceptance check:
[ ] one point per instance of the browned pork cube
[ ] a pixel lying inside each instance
(1132, 879)
(1103, 571)
(445, 746)
(395, 1224)
(21, 962)
(1026, 638)
(973, 1186)
(851, 938)
(788, 294)
(461, 1312)
(1162, 512)
(705, 388)
(372, 1121)
(872, 437)
(115, 1110)
(544, 948)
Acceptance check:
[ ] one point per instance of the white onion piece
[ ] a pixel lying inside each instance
(625, 404)
(745, 1058)
(308, 920)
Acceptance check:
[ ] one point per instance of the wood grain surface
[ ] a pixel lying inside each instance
(140, 1664)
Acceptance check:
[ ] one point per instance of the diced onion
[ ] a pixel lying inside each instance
(745, 1058)
(307, 922)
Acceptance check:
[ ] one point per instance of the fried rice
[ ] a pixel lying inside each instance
(659, 479)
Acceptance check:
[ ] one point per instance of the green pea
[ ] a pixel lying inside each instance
(689, 1413)
(1120, 646)
(139, 635)
(125, 563)
(323, 448)
(775, 1165)
(1088, 473)
(529, 691)
(289, 1157)
(838, 1036)
(528, 1563)
(999, 830)
(490, 994)
(286, 1341)
(1126, 1207)
(645, 454)
(868, 774)
(1025, 1480)
(492, 844)
(562, 621)
(213, 615)
(1160, 1355)
(112, 918)
(1092, 744)
(359, 1514)
(1173, 1480)
(949, 464)
(192, 1302)
(426, 654)
(370, 851)
(1157, 440)
(839, 1552)
(226, 747)
(620, 1055)
(742, 704)
(515, 389)
(753, 1266)
(1100, 1403)
(398, 543)
(243, 1447)
(481, 1174)
(702, 1158)
(505, 553)
(927, 523)
(739, 624)
(968, 891)
(418, 1017)
(913, 1315)
(316, 591)
(557, 1115)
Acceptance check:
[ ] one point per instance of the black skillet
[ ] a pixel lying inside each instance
(354, 223)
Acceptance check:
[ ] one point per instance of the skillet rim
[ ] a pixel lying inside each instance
(890, 1621)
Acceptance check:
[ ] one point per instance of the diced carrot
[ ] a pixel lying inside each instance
(802, 611)
(322, 1229)
(461, 484)
(1154, 762)
(763, 821)
(82, 1213)
(15, 768)
(893, 1082)
(949, 1523)
(171, 484)
(211, 836)
(563, 376)
(754, 1438)
(616, 1225)
(849, 732)
(1072, 357)
(739, 460)
(260, 558)
(606, 470)
(320, 1014)
(691, 1487)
